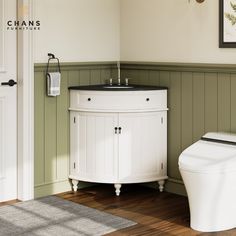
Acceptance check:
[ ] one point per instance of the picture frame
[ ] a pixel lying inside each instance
(227, 23)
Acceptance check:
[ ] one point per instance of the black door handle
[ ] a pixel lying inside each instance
(10, 83)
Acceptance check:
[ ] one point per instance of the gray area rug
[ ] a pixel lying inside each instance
(52, 215)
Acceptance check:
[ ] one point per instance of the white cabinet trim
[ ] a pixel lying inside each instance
(118, 111)
(25, 109)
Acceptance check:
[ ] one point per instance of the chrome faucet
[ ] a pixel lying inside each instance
(118, 81)
(118, 67)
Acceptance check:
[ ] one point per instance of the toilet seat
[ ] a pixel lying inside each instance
(215, 153)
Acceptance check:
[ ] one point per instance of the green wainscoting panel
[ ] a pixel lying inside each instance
(39, 95)
(201, 98)
(62, 130)
(50, 131)
(186, 110)
(224, 102)
(95, 77)
(84, 77)
(233, 103)
(74, 78)
(154, 78)
(52, 137)
(211, 106)
(174, 122)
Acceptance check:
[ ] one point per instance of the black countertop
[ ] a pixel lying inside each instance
(114, 87)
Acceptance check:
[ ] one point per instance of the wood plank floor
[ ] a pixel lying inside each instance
(9, 202)
(155, 213)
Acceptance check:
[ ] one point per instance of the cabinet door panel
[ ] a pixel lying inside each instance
(96, 146)
(142, 146)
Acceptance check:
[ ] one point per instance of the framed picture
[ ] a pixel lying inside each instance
(227, 24)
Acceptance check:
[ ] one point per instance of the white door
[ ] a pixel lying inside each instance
(94, 148)
(142, 146)
(8, 115)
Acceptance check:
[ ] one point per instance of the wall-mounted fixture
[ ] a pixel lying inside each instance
(53, 78)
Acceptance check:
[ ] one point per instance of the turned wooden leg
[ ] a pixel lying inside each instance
(161, 185)
(117, 187)
(74, 183)
(70, 182)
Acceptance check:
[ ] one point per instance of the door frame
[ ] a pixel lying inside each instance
(25, 106)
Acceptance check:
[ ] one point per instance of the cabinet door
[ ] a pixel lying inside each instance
(94, 146)
(142, 147)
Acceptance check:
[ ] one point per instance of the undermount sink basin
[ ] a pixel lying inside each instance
(118, 87)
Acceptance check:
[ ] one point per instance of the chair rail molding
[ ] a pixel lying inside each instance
(25, 107)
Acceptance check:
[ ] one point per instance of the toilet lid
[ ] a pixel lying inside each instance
(215, 152)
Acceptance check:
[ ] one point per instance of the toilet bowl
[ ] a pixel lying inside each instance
(208, 169)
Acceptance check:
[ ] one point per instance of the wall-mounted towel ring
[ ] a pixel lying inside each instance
(52, 57)
(53, 78)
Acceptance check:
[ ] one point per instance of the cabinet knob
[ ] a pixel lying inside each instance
(120, 130)
(116, 130)
(89, 99)
(147, 99)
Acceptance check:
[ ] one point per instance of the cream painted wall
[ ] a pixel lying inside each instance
(77, 30)
(172, 31)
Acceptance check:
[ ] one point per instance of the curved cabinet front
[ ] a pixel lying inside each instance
(121, 146)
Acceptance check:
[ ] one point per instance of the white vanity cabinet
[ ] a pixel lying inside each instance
(118, 137)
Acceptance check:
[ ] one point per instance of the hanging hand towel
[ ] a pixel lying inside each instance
(53, 83)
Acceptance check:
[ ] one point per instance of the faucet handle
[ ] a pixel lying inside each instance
(127, 81)
(109, 81)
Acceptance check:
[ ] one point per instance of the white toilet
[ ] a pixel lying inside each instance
(208, 169)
